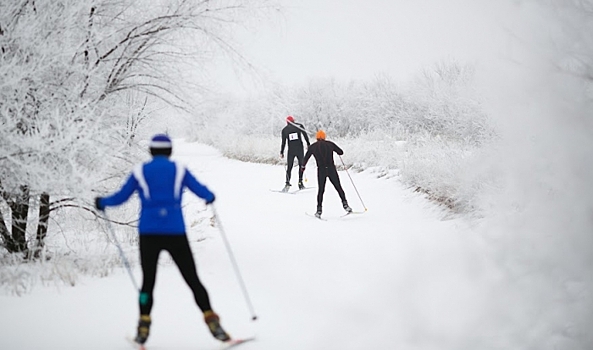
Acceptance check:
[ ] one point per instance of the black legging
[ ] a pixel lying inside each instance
(290, 162)
(331, 173)
(178, 246)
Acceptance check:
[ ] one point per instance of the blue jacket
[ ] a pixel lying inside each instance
(160, 185)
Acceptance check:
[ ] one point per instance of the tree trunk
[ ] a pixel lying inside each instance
(42, 224)
(7, 241)
(20, 213)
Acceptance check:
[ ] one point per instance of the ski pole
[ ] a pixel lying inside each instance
(298, 127)
(121, 252)
(234, 262)
(365, 208)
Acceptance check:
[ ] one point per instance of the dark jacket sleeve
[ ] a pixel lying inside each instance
(284, 137)
(337, 149)
(306, 137)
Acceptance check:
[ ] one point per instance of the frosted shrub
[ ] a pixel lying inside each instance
(444, 103)
(77, 244)
(539, 220)
(425, 131)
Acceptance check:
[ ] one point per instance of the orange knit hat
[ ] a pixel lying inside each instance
(320, 135)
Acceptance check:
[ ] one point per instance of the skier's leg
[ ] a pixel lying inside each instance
(335, 180)
(321, 177)
(289, 164)
(183, 258)
(150, 248)
(300, 156)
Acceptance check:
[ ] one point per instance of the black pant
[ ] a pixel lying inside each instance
(290, 162)
(178, 246)
(322, 174)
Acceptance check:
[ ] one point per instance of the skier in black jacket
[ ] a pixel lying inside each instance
(294, 133)
(323, 151)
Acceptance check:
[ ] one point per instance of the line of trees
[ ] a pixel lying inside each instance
(442, 102)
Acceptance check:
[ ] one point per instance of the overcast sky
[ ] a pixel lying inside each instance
(357, 39)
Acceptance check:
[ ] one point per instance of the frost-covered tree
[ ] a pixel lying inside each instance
(76, 77)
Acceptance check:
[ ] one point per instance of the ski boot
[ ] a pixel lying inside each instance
(301, 186)
(318, 213)
(213, 322)
(346, 207)
(143, 329)
(286, 187)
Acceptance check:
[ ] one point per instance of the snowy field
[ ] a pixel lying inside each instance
(397, 277)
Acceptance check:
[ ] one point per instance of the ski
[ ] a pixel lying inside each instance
(134, 344)
(313, 216)
(353, 212)
(285, 192)
(225, 345)
(293, 192)
(334, 218)
(236, 342)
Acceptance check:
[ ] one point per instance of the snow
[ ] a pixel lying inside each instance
(398, 276)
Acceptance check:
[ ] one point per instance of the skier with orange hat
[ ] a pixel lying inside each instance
(323, 151)
(293, 134)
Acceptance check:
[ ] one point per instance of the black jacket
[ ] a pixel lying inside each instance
(323, 151)
(294, 133)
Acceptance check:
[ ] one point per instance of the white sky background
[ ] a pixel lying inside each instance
(353, 39)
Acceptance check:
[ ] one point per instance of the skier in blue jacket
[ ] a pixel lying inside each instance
(160, 184)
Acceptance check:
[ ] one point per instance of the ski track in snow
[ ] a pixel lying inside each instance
(396, 277)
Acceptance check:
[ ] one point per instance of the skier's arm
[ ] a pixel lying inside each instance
(306, 137)
(284, 137)
(196, 187)
(307, 156)
(337, 149)
(120, 196)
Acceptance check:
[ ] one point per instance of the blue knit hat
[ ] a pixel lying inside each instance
(160, 141)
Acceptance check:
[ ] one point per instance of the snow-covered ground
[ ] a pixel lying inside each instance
(397, 277)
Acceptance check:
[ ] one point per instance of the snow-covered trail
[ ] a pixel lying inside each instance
(394, 277)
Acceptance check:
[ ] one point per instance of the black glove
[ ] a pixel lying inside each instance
(98, 203)
(211, 200)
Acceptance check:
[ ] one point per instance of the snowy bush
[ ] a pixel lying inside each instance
(57, 138)
(425, 131)
(540, 211)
